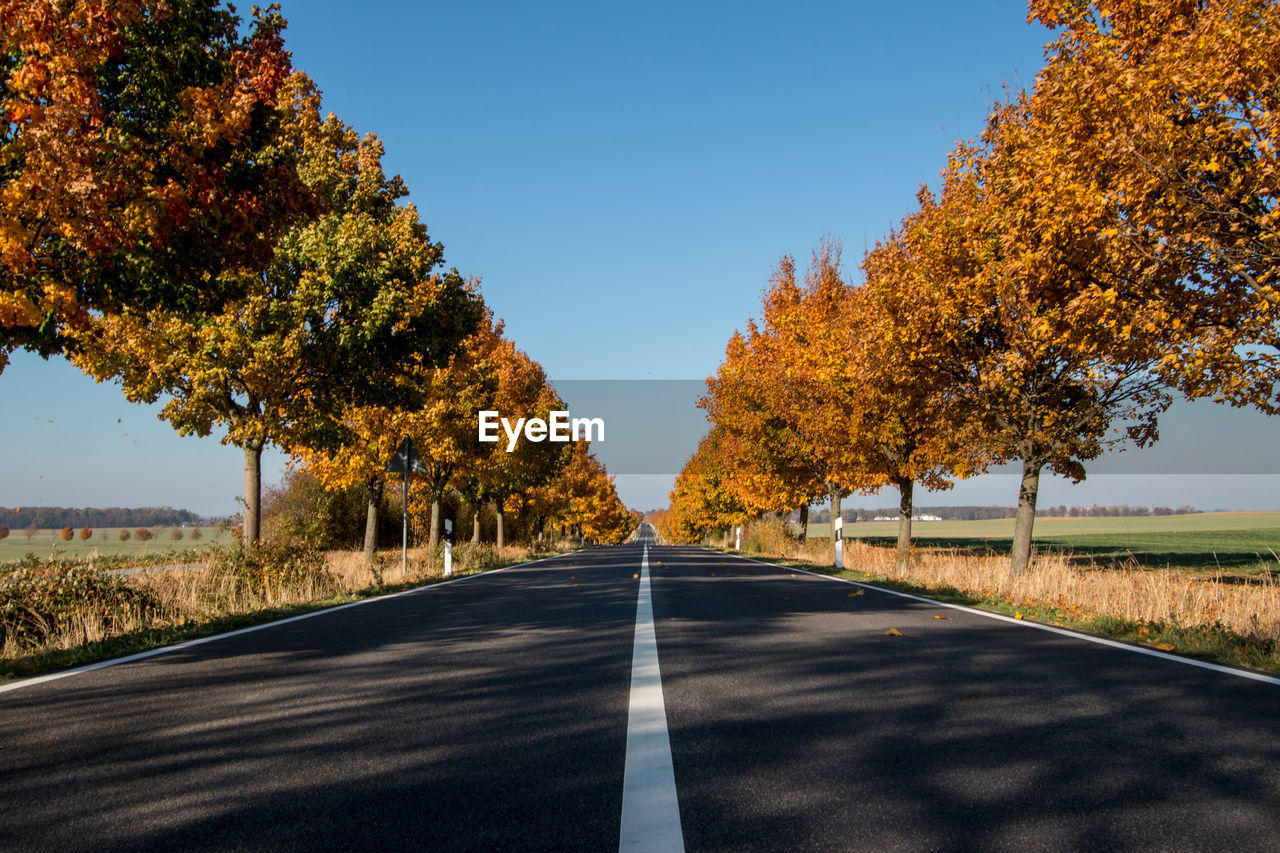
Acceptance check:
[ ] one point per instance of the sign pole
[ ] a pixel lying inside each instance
(404, 538)
(405, 460)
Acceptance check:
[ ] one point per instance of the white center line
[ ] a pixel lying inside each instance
(650, 811)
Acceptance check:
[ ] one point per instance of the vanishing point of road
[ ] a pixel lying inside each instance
(643, 697)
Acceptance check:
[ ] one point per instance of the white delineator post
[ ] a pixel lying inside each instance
(448, 547)
(737, 539)
(839, 534)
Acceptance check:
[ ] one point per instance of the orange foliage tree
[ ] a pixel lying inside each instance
(700, 499)
(582, 499)
(347, 304)
(769, 467)
(1048, 328)
(1177, 103)
(139, 159)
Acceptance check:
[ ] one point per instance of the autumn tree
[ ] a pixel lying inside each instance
(437, 410)
(582, 498)
(1050, 327)
(754, 398)
(861, 395)
(501, 474)
(700, 500)
(346, 305)
(1177, 104)
(139, 159)
(67, 534)
(86, 534)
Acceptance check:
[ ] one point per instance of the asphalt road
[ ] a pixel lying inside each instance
(492, 714)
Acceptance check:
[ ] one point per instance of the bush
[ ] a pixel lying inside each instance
(4, 532)
(39, 601)
(175, 534)
(67, 534)
(195, 534)
(302, 510)
(271, 566)
(142, 534)
(86, 534)
(766, 536)
(124, 535)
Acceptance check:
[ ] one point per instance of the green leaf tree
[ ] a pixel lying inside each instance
(347, 303)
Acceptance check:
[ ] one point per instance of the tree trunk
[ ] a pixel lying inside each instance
(497, 510)
(252, 493)
(374, 492)
(835, 513)
(1020, 559)
(804, 522)
(475, 526)
(906, 507)
(435, 521)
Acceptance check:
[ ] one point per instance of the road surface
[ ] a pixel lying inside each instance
(493, 714)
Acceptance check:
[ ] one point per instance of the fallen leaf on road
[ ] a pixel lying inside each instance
(894, 632)
(793, 576)
(855, 594)
(788, 598)
(1166, 647)
(1017, 616)
(635, 576)
(940, 616)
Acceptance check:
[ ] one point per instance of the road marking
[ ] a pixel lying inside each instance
(1052, 629)
(650, 811)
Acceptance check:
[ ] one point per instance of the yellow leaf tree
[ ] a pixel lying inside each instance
(347, 303)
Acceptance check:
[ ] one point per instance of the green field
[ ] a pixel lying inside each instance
(1232, 541)
(105, 542)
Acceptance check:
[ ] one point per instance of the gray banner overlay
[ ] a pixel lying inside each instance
(652, 426)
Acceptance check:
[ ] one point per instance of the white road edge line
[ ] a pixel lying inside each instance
(650, 810)
(164, 650)
(1052, 629)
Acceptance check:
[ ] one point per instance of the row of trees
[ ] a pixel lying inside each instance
(1109, 241)
(179, 217)
(51, 517)
(978, 513)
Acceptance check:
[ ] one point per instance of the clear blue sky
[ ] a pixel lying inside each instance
(623, 176)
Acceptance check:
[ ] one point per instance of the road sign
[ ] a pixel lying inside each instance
(407, 455)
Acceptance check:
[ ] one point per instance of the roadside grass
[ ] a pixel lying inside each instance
(105, 542)
(1245, 545)
(1198, 611)
(233, 590)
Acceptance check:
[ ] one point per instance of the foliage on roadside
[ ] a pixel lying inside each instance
(40, 600)
(268, 568)
(236, 588)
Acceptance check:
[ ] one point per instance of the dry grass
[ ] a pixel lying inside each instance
(1247, 607)
(183, 600)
